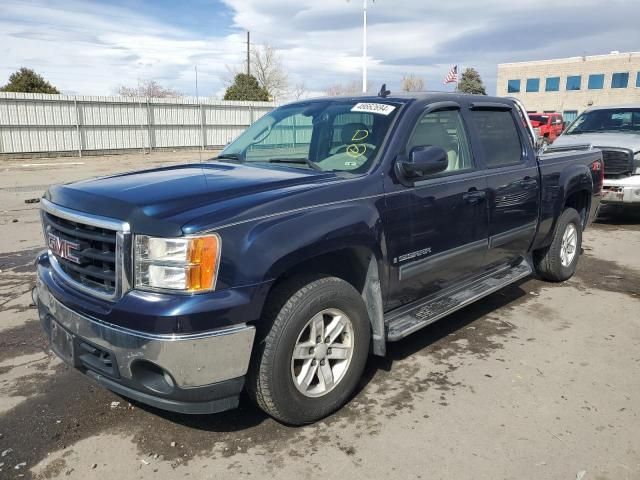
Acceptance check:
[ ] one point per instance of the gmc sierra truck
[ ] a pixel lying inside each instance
(615, 131)
(327, 229)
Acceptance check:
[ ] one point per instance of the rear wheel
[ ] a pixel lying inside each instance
(559, 261)
(312, 351)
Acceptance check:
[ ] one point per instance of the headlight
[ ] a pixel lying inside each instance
(188, 264)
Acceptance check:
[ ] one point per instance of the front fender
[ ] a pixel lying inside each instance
(264, 249)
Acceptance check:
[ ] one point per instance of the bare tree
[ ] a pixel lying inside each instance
(342, 89)
(266, 66)
(334, 90)
(148, 88)
(299, 90)
(412, 83)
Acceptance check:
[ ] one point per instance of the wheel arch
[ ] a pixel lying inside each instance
(573, 188)
(580, 200)
(358, 265)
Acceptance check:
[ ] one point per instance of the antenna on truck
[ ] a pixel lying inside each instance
(383, 91)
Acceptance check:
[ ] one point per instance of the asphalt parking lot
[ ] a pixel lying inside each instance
(537, 381)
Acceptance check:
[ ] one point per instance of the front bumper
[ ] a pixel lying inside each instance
(621, 191)
(191, 373)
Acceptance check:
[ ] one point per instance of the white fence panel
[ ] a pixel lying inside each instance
(77, 125)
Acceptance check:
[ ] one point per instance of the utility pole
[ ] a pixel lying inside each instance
(248, 55)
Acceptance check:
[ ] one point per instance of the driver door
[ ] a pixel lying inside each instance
(437, 227)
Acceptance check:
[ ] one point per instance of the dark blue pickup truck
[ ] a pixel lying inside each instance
(327, 229)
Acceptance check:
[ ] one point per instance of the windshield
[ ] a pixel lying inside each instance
(607, 120)
(340, 135)
(539, 118)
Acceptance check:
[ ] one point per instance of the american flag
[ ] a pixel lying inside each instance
(452, 76)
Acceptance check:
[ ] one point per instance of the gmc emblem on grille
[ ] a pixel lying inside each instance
(62, 248)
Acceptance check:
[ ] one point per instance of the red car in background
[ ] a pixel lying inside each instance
(549, 125)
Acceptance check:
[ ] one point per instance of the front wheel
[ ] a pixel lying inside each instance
(312, 352)
(559, 261)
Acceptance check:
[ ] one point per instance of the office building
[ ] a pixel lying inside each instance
(571, 85)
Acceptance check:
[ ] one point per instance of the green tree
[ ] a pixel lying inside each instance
(470, 82)
(26, 80)
(246, 87)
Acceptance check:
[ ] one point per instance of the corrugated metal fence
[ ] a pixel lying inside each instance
(81, 125)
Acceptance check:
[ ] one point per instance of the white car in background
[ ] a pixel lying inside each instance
(616, 131)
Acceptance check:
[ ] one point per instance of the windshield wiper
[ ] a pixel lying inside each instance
(301, 161)
(229, 156)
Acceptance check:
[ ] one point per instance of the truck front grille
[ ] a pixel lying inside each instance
(92, 261)
(617, 162)
(86, 251)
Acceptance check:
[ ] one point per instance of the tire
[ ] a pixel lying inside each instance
(552, 263)
(272, 381)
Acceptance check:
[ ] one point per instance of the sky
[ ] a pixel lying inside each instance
(91, 47)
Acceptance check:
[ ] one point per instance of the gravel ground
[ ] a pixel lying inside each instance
(537, 381)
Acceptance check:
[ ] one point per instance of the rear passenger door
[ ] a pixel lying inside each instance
(513, 188)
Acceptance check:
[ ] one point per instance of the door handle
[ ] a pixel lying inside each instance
(528, 183)
(474, 196)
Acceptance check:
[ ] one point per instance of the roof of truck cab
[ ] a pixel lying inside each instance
(405, 97)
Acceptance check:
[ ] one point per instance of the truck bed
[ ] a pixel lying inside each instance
(557, 166)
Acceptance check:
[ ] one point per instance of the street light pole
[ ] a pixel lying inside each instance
(364, 46)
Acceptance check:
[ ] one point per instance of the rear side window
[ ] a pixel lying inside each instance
(498, 135)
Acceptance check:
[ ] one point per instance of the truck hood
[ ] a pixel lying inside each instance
(603, 139)
(161, 201)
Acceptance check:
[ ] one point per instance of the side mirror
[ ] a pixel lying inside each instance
(424, 161)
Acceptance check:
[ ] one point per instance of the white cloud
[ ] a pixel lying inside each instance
(90, 48)
(322, 40)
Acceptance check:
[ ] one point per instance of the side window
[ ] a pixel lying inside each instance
(620, 80)
(498, 135)
(596, 81)
(290, 138)
(574, 82)
(444, 129)
(552, 84)
(513, 86)
(533, 84)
